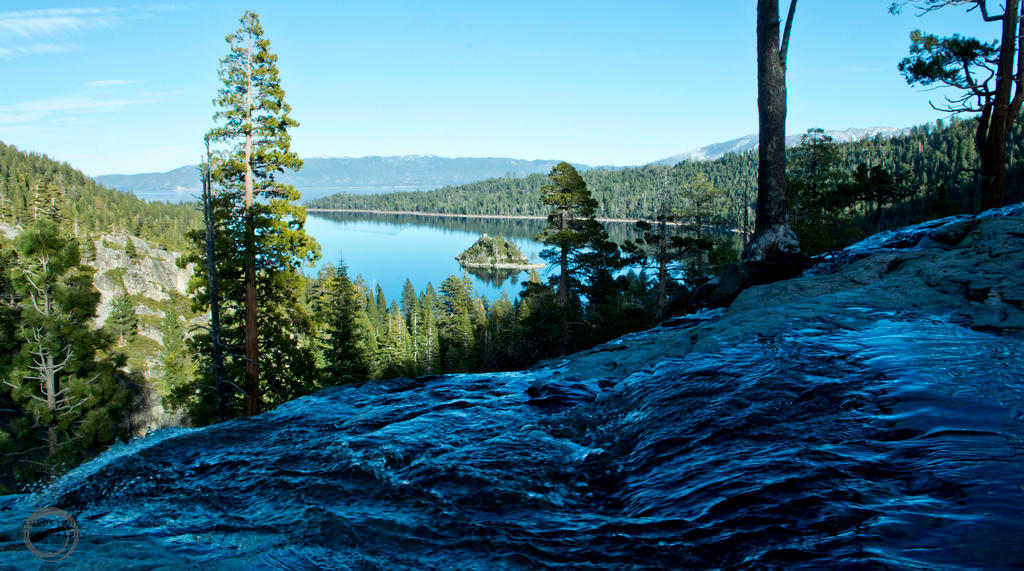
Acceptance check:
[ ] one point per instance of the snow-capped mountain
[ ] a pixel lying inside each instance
(742, 144)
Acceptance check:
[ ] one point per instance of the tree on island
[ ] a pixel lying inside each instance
(260, 244)
(989, 76)
(496, 252)
(772, 235)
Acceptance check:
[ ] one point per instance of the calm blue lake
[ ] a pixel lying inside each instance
(388, 249)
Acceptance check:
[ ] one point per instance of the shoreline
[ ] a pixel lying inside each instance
(483, 266)
(449, 215)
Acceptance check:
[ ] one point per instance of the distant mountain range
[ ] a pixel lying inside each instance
(370, 175)
(743, 144)
(364, 175)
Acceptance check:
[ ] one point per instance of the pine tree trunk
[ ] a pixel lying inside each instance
(993, 156)
(563, 264)
(252, 356)
(662, 265)
(772, 234)
(252, 397)
(213, 291)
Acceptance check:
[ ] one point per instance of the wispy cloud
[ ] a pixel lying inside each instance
(32, 49)
(70, 107)
(37, 24)
(29, 32)
(111, 82)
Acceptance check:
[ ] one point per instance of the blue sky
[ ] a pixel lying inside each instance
(118, 87)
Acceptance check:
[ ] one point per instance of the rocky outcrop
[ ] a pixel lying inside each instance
(965, 269)
(153, 273)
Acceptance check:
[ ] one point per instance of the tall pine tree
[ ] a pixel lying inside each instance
(571, 226)
(261, 242)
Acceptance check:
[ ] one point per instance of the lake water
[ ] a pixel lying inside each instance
(388, 249)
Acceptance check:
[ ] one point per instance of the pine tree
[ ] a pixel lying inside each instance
(260, 244)
(989, 75)
(129, 248)
(394, 344)
(571, 226)
(411, 314)
(122, 320)
(429, 312)
(656, 242)
(47, 202)
(373, 314)
(8, 310)
(346, 336)
(382, 310)
(457, 332)
(88, 250)
(72, 400)
(178, 367)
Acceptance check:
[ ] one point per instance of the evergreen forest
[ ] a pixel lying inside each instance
(33, 185)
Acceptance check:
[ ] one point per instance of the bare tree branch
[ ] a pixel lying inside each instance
(784, 48)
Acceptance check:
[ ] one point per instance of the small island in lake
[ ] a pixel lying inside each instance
(495, 252)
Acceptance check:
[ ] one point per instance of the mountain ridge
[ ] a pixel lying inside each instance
(374, 173)
(359, 174)
(749, 142)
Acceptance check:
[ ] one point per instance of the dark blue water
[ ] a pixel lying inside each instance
(820, 447)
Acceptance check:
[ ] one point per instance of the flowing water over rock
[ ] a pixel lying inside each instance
(835, 434)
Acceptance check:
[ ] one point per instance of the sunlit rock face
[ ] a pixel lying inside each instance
(153, 273)
(869, 414)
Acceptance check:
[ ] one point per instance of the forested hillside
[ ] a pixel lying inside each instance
(934, 161)
(87, 303)
(31, 184)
